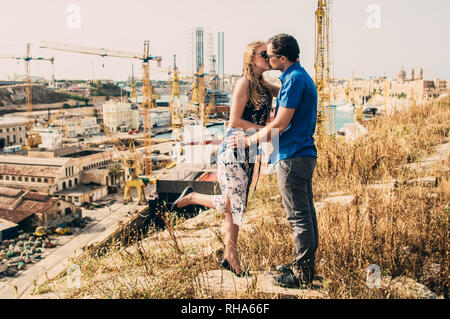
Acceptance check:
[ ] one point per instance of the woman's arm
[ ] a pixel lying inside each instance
(240, 99)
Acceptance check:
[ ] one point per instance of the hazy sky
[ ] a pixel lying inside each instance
(412, 33)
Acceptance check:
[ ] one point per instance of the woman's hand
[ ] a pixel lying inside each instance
(238, 140)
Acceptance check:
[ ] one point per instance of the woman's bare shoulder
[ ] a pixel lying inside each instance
(243, 81)
(241, 85)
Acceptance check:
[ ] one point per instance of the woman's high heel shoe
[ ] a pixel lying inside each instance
(227, 266)
(185, 192)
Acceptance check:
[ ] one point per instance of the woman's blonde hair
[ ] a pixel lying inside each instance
(257, 88)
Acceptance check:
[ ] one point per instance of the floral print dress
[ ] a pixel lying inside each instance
(235, 166)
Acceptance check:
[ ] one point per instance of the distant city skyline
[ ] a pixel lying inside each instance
(370, 37)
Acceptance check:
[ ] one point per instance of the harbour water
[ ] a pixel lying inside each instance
(343, 116)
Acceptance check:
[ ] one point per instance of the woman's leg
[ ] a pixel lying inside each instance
(196, 199)
(231, 229)
(231, 237)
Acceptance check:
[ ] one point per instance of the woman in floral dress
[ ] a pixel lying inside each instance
(250, 110)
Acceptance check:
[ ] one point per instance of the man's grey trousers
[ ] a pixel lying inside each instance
(295, 183)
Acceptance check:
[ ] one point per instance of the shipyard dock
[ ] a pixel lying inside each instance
(107, 222)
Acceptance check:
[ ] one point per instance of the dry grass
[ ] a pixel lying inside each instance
(402, 229)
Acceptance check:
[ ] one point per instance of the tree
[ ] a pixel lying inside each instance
(116, 172)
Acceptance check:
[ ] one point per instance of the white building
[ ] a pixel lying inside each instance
(51, 138)
(88, 125)
(118, 116)
(13, 130)
(160, 118)
(77, 126)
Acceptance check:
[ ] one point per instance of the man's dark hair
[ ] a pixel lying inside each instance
(285, 44)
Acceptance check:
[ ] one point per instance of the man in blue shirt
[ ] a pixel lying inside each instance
(294, 156)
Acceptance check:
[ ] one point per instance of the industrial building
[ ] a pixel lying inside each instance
(119, 116)
(74, 175)
(24, 210)
(12, 130)
(46, 175)
(76, 126)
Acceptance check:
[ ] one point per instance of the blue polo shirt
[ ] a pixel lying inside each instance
(299, 92)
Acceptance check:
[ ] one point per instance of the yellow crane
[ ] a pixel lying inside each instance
(325, 118)
(347, 92)
(198, 90)
(196, 105)
(198, 87)
(133, 95)
(52, 118)
(132, 162)
(176, 112)
(32, 139)
(198, 95)
(212, 102)
(148, 98)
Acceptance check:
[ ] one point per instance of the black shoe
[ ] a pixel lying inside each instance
(185, 192)
(286, 279)
(306, 274)
(227, 266)
(285, 268)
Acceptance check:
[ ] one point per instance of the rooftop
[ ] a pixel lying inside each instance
(5, 224)
(12, 120)
(25, 160)
(14, 216)
(10, 192)
(34, 170)
(17, 205)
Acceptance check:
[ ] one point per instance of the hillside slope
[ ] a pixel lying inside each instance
(16, 95)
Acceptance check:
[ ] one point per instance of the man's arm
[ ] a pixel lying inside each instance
(289, 100)
(280, 123)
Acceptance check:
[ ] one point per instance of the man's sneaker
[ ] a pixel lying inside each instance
(306, 274)
(286, 279)
(285, 268)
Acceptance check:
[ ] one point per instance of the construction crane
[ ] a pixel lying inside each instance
(149, 97)
(132, 162)
(176, 113)
(347, 92)
(198, 95)
(133, 95)
(212, 102)
(32, 139)
(52, 118)
(325, 118)
(198, 88)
